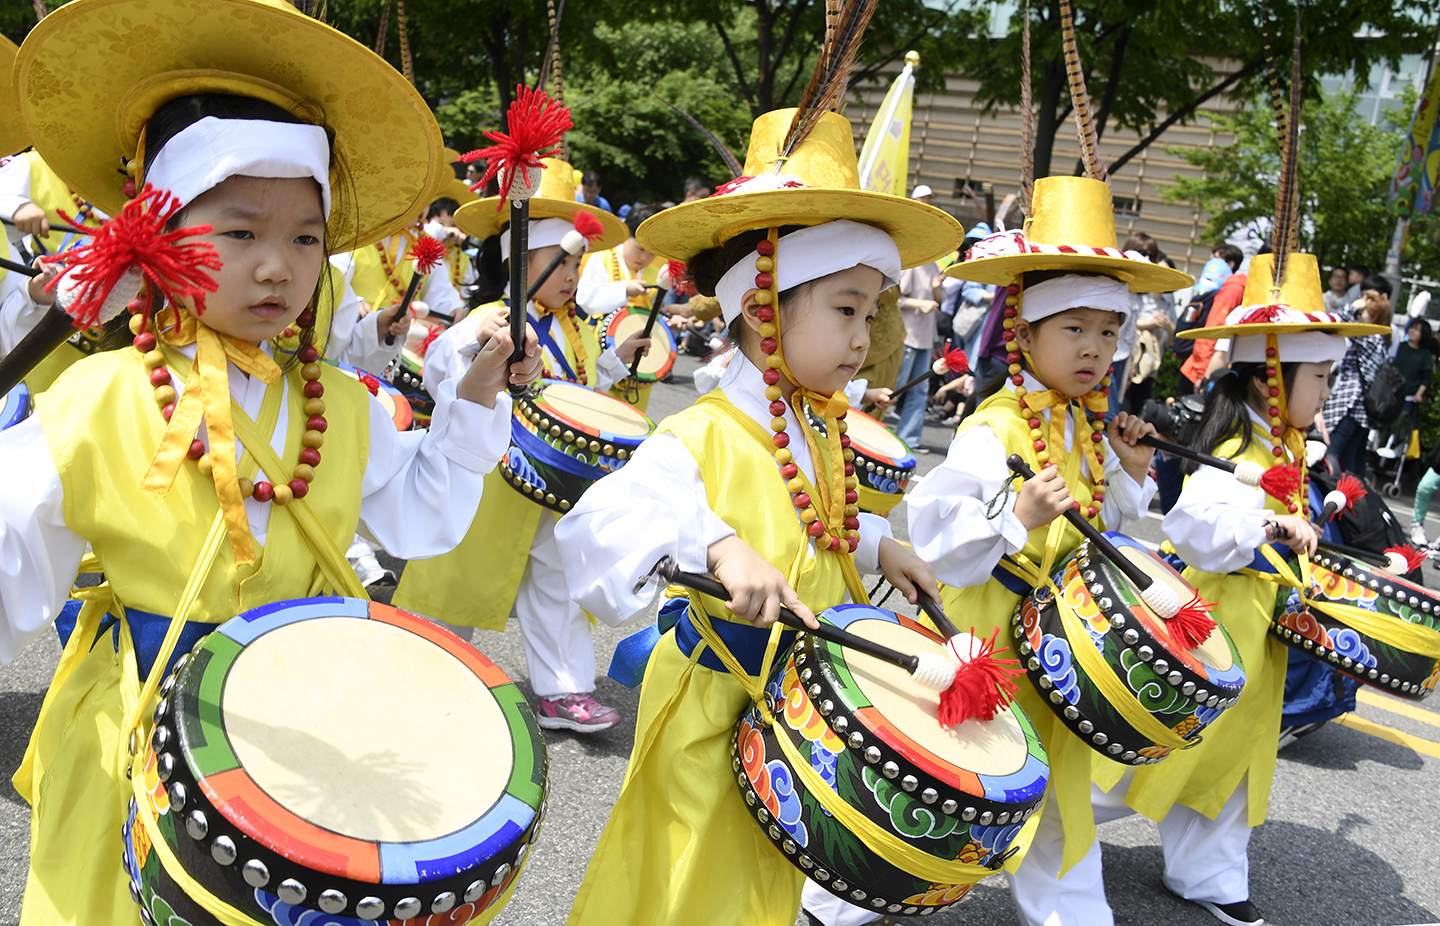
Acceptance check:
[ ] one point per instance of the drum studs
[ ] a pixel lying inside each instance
(841, 724)
(858, 894)
(827, 706)
(949, 806)
(178, 795)
(776, 833)
(623, 455)
(929, 795)
(750, 798)
(1129, 756)
(1384, 677)
(807, 862)
(1414, 601)
(569, 437)
(549, 499)
(841, 886)
(1071, 713)
(1003, 819)
(1045, 682)
(909, 783)
(814, 691)
(735, 764)
(555, 430)
(1025, 648)
(165, 767)
(1146, 653)
(255, 873)
(789, 846)
(968, 815)
(293, 892)
(443, 902)
(1373, 673)
(222, 850)
(135, 891)
(822, 875)
(1056, 697)
(1096, 590)
(1187, 689)
(1309, 644)
(1347, 662)
(804, 673)
(332, 901)
(1034, 664)
(408, 908)
(371, 908)
(1388, 590)
(1131, 637)
(986, 818)
(160, 739)
(1087, 727)
(473, 892)
(1099, 739)
(145, 917)
(869, 466)
(1116, 749)
(872, 754)
(762, 815)
(1117, 620)
(595, 446)
(1174, 677)
(500, 875)
(166, 687)
(856, 740)
(1161, 667)
(1089, 576)
(890, 770)
(162, 710)
(1105, 604)
(608, 450)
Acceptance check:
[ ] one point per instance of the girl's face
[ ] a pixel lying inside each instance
(270, 233)
(1305, 397)
(1339, 280)
(1414, 334)
(560, 288)
(825, 331)
(1071, 352)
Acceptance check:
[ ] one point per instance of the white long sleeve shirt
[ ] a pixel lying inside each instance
(656, 506)
(1218, 522)
(947, 511)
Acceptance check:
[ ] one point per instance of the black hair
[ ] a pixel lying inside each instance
(1376, 282)
(590, 178)
(639, 213)
(1265, 249)
(442, 205)
(1363, 269)
(696, 184)
(707, 267)
(182, 112)
(1226, 413)
(1426, 332)
(490, 276)
(1230, 255)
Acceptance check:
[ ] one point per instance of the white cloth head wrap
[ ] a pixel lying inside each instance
(812, 253)
(1294, 347)
(542, 233)
(202, 155)
(1074, 291)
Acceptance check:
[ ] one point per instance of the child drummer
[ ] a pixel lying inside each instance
(207, 421)
(1069, 295)
(740, 485)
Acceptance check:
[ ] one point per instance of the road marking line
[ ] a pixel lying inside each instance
(1395, 706)
(1385, 733)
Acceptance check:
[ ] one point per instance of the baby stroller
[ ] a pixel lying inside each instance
(1401, 444)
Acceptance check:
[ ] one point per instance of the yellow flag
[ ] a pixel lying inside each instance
(885, 158)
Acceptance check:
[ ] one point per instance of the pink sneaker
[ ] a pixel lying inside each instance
(578, 712)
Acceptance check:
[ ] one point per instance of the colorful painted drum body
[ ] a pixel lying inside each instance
(1378, 654)
(15, 408)
(335, 761)
(872, 735)
(655, 365)
(407, 372)
(391, 398)
(883, 462)
(1183, 690)
(564, 436)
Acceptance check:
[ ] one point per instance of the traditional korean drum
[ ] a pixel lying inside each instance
(1380, 628)
(872, 735)
(883, 463)
(15, 408)
(392, 399)
(564, 436)
(1168, 692)
(655, 365)
(334, 761)
(407, 372)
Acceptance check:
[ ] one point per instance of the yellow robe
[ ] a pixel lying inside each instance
(989, 607)
(1245, 738)
(498, 543)
(371, 282)
(102, 426)
(680, 846)
(637, 394)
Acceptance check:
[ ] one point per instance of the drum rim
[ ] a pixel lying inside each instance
(403, 415)
(903, 466)
(536, 401)
(525, 434)
(613, 320)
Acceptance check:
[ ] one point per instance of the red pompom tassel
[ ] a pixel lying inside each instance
(427, 254)
(1414, 558)
(1280, 482)
(1353, 489)
(589, 226)
(1192, 625)
(536, 123)
(983, 685)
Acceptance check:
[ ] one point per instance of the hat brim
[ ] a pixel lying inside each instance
(922, 233)
(1142, 277)
(457, 190)
(1344, 329)
(486, 217)
(13, 137)
(81, 109)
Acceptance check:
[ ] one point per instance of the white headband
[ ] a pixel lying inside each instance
(201, 156)
(1294, 347)
(1074, 291)
(542, 233)
(812, 253)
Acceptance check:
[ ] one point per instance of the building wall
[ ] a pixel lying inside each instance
(953, 143)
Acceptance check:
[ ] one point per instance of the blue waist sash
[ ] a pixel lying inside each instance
(147, 631)
(746, 642)
(1010, 580)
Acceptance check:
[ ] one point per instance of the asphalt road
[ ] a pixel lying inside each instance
(1351, 839)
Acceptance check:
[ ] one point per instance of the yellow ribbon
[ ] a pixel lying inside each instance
(1059, 402)
(207, 396)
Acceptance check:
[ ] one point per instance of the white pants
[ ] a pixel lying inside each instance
(1204, 860)
(826, 908)
(559, 641)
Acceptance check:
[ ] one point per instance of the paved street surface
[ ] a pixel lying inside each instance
(1351, 839)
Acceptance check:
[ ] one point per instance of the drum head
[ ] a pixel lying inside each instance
(1214, 653)
(390, 398)
(876, 440)
(595, 413)
(977, 756)
(656, 364)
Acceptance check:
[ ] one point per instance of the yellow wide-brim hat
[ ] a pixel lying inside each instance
(12, 130)
(450, 185)
(824, 164)
(1299, 292)
(1071, 227)
(555, 199)
(91, 74)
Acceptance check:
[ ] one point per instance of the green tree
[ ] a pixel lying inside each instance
(1344, 169)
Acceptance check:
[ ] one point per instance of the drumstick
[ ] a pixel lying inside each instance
(573, 243)
(1277, 481)
(57, 226)
(1343, 497)
(1158, 595)
(936, 613)
(18, 267)
(950, 362)
(661, 288)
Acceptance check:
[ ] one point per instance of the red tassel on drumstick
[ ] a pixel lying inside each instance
(1404, 558)
(984, 683)
(427, 253)
(105, 276)
(1342, 498)
(576, 241)
(1279, 482)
